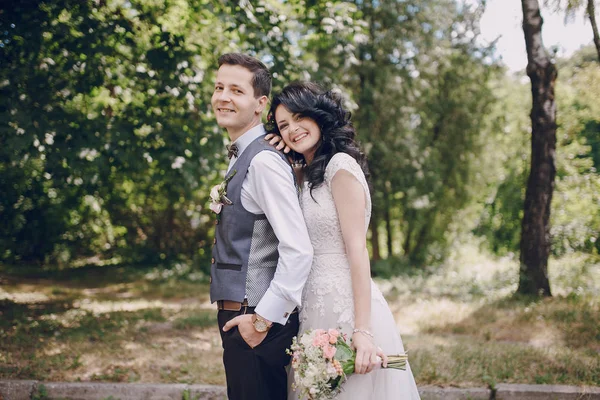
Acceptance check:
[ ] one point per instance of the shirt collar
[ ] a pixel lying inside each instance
(243, 141)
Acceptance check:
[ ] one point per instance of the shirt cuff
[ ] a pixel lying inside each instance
(274, 308)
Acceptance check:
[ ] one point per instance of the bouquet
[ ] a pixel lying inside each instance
(322, 359)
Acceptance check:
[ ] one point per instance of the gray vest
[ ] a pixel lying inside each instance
(245, 251)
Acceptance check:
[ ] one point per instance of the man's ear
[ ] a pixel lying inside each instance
(262, 104)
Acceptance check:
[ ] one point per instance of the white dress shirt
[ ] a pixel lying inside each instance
(269, 189)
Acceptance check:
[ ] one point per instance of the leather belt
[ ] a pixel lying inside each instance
(229, 305)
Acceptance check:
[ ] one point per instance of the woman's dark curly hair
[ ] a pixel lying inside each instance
(337, 133)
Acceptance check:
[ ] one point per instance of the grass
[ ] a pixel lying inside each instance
(465, 327)
(460, 321)
(204, 319)
(115, 324)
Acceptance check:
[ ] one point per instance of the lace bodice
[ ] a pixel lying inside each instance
(329, 285)
(328, 301)
(319, 210)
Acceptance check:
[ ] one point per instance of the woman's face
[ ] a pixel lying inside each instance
(301, 134)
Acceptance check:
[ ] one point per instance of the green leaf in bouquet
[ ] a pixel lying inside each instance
(343, 351)
(345, 355)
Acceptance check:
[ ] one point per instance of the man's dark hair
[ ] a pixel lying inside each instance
(262, 77)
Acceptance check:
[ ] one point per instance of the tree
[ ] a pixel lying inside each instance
(417, 80)
(108, 142)
(535, 228)
(591, 10)
(570, 7)
(575, 218)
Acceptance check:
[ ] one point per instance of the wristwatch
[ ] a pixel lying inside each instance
(260, 324)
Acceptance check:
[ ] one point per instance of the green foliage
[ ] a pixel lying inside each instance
(575, 217)
(569, 7)
(576, 204)
(42, 393)
(393, 266)
(505, 167)
(420, 92)
(187, 395)
(110, 146)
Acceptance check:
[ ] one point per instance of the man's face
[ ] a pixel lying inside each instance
(233, 101)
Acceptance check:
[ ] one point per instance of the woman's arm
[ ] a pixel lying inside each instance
(350, 201)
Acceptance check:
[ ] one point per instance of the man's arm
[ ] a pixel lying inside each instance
(272, 190)
(272, 183)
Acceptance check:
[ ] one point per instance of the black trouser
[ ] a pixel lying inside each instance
(256, 373)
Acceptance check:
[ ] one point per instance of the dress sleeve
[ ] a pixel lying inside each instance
(346, 162)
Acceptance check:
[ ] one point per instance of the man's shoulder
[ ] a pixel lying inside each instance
(265, 153)
(259, 144)
(269, 157)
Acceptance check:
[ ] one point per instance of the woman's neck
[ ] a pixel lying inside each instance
(308, 157)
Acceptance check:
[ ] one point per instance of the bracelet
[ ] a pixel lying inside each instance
(364, 332)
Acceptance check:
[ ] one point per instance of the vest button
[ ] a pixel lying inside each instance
(212, 260)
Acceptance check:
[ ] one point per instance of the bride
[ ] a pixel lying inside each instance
(336, 204)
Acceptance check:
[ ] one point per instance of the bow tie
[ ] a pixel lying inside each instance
(232, 150)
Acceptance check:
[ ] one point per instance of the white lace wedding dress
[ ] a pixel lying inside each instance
(327, 301)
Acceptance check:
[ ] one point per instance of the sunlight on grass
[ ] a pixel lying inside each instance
(102, 307)
(460, 322)
(414, 317)
(466, 362)
(464, 326)
(23, 297)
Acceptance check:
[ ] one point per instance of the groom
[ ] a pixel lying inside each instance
(262, 253)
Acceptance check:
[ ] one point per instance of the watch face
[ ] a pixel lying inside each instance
(260, 326)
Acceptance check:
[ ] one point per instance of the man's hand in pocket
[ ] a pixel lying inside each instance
(246, 328)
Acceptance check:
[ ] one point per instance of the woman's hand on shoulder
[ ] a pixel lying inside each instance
(277, 141)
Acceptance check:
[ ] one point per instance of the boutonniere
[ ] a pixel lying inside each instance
(218, 195)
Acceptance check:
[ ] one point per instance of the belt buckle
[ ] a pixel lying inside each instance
(244, 305)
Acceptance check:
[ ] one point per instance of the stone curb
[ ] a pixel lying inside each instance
(26, 390)
(440, 393)
(546, 392)
(16, 390)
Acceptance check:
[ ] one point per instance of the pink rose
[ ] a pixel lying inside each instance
(333, 335)
(318, 341)
(321, 339)
(216, 207)
(329, 351)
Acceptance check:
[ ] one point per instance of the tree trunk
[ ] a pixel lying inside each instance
(388, 225)
(591, 10)
(417, 255)
(535, 228)
(376, 256)
(406, 245)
